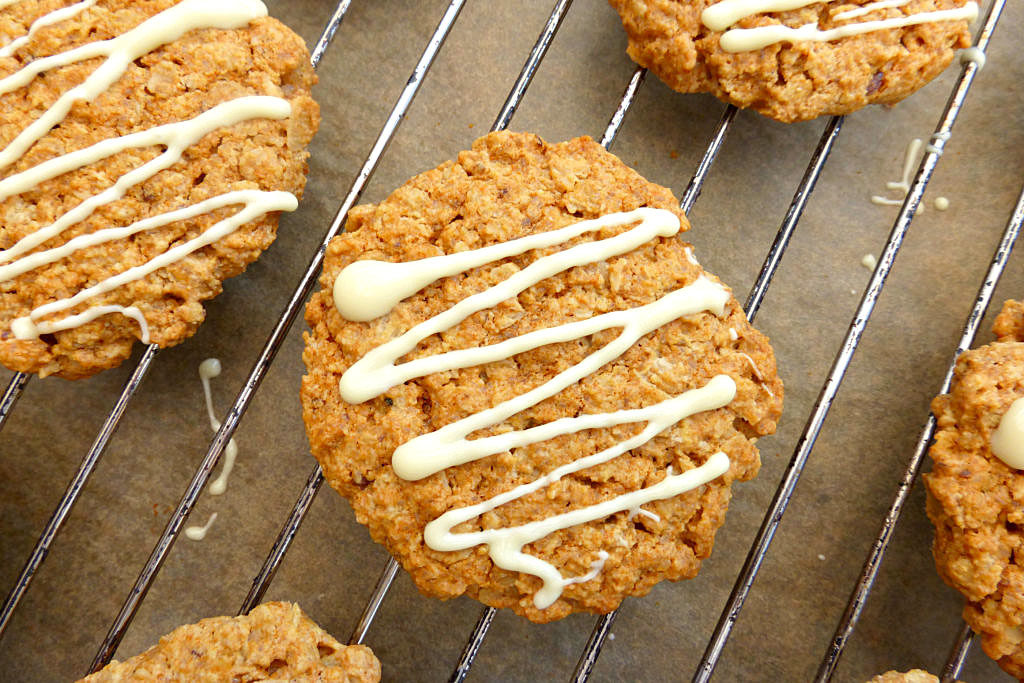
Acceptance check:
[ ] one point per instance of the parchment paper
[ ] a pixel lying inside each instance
(911, 619)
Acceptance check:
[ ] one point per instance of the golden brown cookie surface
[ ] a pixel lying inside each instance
(800, 79)
(171, 84)
(975, 500)
(509, 186)
(275, 641)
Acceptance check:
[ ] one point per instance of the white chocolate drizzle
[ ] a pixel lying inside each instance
(210, 369)
(932, 147)
(121, 51)
(722, 15)
(910, 161)
(54, 17)
(368, 289)
(869, 8)
(973, 54)
(175, 138)
(1008, 439)
(198, 533)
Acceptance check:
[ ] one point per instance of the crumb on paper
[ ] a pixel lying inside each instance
(941, 203)
(821, 557)
(869, 261)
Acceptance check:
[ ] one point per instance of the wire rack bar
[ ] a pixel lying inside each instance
(628, 95)
(85, 469)
(327, 35)
(476, 639)
(387, 577)
(283, 542)
(313, 484)
(540, 48)
(591, 651)
(11, 395)
(859, 596)
(793, 214)
(273, 344)
(805, 445)
(696, 184)
(958, 655)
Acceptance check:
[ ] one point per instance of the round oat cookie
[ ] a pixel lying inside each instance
(975, 500)
(275, 641)
(794, 79)
(510, 186)
(231, 94)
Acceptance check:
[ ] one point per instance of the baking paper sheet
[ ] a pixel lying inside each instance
(782, 634)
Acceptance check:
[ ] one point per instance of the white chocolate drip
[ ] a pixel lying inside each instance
(639, 511)
(160, 29)
(371, 290)
(722, 15)
(910, 160)
(941, 203)
(1008, 439)
(595, 568)
(54, 17)
(209, 369)
(933, 147)
(973, 54)
(198, 533)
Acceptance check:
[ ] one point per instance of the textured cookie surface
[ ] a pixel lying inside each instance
(275, 641)
(509, 186)
(912, 676)
(173, 83)
(975, 500)
(792, 81)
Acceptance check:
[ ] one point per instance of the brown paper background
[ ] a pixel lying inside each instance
(782, 634)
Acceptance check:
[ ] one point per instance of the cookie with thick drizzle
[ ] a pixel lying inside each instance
(797, 59)
(146, 151)
(525, 384)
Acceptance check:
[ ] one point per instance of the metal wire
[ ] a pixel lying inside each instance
(287, 533)
(11, 395)
(628, 95)
(273, 344)
(874, 560)
(42, 547)
(958, 655)
(805, 445)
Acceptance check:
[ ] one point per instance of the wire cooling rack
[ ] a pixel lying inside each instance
(662, 635)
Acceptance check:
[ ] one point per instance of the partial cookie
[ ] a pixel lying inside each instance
(976, 500)
(275, 641)
(701, 382)
(757, 59)
(120, 162)
(912, 676)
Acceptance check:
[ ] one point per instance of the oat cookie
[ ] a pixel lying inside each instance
(975, 500)
(275, 641)
(794, 77)
(620, 521)
(912, 676)
(147, 148)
